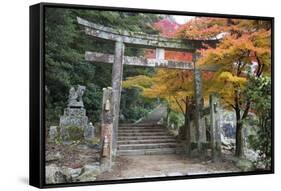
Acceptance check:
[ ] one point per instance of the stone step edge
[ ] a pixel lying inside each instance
(143, 133)
(120, 138)
(147, 140)
(139, 130)
(157, 151)
(146, 146)
(150, 144)
(139, 125)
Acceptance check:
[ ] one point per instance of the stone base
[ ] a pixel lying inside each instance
(71, 133)
(70, 111)
(73, 124)
(74, 117)
(79, 121)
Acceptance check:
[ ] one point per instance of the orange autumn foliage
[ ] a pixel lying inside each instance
(243, 44)
(168, 28)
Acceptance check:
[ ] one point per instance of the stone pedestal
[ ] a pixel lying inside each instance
(74, 117)
(73, 123)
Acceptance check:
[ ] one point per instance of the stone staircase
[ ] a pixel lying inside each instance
(145, 139)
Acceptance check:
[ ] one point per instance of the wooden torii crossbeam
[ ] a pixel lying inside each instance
(122, 38)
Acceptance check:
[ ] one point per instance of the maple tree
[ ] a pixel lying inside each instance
(244, 50)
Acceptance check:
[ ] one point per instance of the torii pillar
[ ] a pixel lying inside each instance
(117, 73)
(199, 103)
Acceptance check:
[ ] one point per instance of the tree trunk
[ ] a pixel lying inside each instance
(183, 129)
(167, 116)
(187, 127)
(239, 152)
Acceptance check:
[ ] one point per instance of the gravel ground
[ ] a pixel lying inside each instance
(73, 156)
(127, 167)
(130, 167)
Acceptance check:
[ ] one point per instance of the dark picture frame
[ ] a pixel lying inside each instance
(37, 136)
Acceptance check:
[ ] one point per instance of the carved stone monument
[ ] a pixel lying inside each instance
(74, 119)
(75, 97)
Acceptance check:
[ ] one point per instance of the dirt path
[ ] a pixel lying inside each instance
(162, 165)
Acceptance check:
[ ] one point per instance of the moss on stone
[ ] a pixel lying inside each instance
(74, 133)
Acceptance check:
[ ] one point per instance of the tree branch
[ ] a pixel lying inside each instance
(183, 101)
(246, 111)
(179, 104)
(238, 72)
(260, 66)
(230, 104)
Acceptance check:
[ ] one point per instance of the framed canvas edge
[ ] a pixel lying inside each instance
(36, 139)
(156, 11)
(37, 96)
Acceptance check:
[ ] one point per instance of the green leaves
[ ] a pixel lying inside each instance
(259, 92)
(65, 45)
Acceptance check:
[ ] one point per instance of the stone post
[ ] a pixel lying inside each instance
(53, 133)
(106, 129)
(117, 73)
(160, 53)
(215, 130)
(199, 103)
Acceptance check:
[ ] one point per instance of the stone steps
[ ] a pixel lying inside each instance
(142, 141)
(145, 139)
(142, 134)
(139, 125)
(158, 151)
(139, 130)
(147, 146)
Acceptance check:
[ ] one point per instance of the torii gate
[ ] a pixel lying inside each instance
(160, 44)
